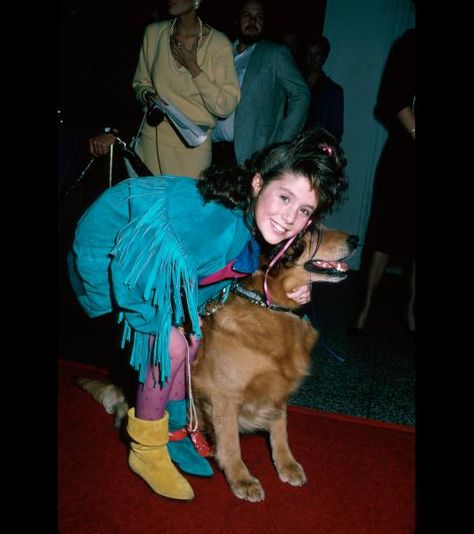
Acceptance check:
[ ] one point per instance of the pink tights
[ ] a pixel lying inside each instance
(151, 401)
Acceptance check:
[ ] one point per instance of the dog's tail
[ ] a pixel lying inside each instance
(109, 395)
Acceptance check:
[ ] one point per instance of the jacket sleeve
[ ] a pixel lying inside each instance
(142, 80)
(298, 95)
(89, 259)
(222, 94)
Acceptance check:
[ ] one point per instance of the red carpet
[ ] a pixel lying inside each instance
(360, 478)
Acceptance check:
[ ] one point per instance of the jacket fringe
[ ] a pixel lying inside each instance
(160, 272)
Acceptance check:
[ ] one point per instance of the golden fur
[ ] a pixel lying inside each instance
(109, 395)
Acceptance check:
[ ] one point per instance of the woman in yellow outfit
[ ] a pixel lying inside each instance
(190, 65)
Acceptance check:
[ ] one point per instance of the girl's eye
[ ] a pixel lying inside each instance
(284, 198)
(305, 212)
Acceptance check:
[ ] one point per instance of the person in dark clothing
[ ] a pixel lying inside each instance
(93, 80)
(327, 97)
(274, 95)
(390, 231)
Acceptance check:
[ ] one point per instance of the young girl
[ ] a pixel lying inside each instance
(157, 249)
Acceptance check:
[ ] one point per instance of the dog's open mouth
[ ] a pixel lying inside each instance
(330, 268)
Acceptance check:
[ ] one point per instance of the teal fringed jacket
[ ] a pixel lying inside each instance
(141, 249)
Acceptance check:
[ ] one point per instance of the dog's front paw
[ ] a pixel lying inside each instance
(248, 489)
(292, 473)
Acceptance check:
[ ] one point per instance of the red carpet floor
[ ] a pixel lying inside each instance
(360, 478)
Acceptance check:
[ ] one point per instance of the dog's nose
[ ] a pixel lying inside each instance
(353, 241)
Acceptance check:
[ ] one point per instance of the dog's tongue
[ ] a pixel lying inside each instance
(337, 265)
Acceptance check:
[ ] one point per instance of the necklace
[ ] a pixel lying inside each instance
(177, 69)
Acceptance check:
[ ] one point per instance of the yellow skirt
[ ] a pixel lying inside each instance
(163, 152)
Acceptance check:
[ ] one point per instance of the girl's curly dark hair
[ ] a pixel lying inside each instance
(314, 153)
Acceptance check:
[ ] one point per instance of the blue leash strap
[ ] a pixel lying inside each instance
(331, 352)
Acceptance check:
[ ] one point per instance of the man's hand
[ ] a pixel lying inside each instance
(100, 144)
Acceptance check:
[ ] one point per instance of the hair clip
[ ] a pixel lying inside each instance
(328, 149)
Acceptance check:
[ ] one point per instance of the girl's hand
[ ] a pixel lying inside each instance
(302, 294)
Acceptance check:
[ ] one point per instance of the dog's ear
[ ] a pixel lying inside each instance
(295, 251)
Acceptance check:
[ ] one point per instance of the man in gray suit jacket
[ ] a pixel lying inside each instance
(274, 98)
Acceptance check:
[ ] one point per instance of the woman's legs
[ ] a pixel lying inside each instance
(377, 268)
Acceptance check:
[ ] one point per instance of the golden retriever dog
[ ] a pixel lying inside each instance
(252, 357)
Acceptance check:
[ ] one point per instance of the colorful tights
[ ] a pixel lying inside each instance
(152, 400)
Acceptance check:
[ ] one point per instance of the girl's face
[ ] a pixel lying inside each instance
(283, 206)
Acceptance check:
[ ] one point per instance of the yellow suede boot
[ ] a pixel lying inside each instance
(149, 457)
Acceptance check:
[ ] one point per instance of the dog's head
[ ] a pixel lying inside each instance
(325, 254)
(324, 259)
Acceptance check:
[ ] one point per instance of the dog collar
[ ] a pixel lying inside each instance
(255, 297)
